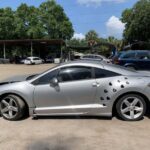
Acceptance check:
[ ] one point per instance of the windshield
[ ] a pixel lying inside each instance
(35, 75)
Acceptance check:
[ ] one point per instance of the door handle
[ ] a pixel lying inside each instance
(95, 84)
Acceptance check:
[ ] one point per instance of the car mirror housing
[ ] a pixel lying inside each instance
(54, 82)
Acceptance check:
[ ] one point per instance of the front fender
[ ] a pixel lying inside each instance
(23, 89)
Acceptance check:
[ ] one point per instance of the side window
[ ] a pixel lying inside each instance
(36, 59)
(129, 55)
(142, 55)
(98, 57)
(101, 73)
(46, 78)
(74, 74)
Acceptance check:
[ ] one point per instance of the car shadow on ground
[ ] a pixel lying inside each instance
(55, 142)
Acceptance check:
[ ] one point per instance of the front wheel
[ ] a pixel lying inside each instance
(12, 108)
(131, 107)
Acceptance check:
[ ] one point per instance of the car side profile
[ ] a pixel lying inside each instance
(33, 61)
(85, 88)
(136, 59)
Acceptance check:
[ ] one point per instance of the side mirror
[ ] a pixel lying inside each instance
(54, 82)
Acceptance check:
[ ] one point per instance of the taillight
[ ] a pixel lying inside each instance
(116, 61)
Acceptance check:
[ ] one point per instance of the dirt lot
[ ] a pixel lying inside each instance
(55, 133)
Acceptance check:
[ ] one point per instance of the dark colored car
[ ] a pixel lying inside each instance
(114, 59)
(135, 59)
(49, 59)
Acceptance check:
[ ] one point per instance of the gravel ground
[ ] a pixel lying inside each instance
(69, 133)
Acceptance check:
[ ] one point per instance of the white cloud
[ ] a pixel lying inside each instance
(97, 2)
(79, 36)
(115, 27)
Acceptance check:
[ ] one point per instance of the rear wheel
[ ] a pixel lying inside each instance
(131, 107)
(12, 108)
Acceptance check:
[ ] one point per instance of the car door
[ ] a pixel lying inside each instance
(37, 60)
(74, 94)
(143, 60)
(127, 59)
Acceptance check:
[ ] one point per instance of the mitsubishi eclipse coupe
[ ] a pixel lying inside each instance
(85, 88)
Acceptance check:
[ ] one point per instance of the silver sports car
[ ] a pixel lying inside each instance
(84, 88)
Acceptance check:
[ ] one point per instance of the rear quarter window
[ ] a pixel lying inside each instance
(102, 73)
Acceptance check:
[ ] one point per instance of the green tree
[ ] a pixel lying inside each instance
(92, 35)
(77, 43)
(21, 21)
(117, 43)
(55, 21)
(7, 27)
(35, 26)
(137, 22)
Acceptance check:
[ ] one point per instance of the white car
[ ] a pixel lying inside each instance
(33, 61)
(95, 57)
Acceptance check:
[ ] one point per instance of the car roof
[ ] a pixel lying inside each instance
(94, 55)
(32, 57)
(83, 62)
(102, 65)
(138, 51)
(89, 63)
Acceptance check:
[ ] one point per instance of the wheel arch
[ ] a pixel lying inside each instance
(131, 92)
(131, 65)
(9, 93)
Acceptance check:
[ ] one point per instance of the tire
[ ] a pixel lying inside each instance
(131, 107)
(12, 108)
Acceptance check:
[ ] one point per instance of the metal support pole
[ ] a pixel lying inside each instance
(4, 51)
(69, 55)
(31, 48)
(61, 55)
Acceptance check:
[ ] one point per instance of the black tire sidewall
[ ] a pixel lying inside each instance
(118, 107)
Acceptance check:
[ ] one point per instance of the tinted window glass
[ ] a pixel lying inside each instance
(46, 78)
(74, 73)
(101, 73)
(36, 59)
(98, 57)
(85, 57)
(142, 55)
(129, 55)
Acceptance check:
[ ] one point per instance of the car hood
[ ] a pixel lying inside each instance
(18, 78)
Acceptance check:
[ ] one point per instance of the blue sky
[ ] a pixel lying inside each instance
(100, 15)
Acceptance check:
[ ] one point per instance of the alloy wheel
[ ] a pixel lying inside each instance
(132, 108)
(9, 107)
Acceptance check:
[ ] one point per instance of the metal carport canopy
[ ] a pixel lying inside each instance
(30, 42)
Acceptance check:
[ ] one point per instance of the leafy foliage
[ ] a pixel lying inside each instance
(137, 20)
(92, 35)
(28, 22)
(7, 26)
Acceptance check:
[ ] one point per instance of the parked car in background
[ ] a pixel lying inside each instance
(22, 60)
(135, 59)
(115, 58)
(95, 57)
(33, 61)
(49, 59)
(4, 61)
